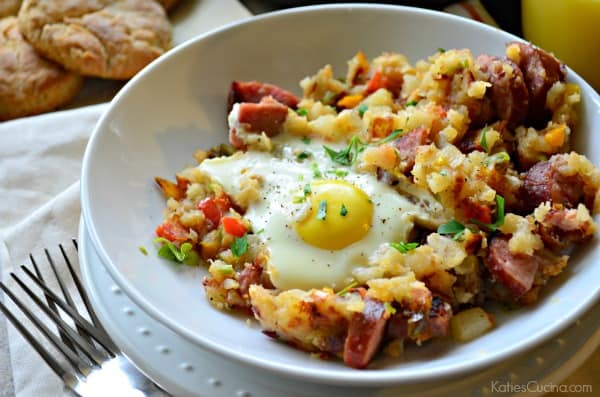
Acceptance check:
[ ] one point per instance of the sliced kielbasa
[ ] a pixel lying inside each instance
(508, 93)
(562, 227)
(515, 271)
(266, 116)
(407, 145)
(544, 182)
(255, 91)
(365, 334)
(541, 70)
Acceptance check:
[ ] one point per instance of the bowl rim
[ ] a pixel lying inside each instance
(358, 378)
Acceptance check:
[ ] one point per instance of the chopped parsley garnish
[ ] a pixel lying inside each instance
(453, 227)
(389, 309)
(362, 109)
(302, 112)
(443, 173)
(183, 254)
(261, 231)
(343, 210)
(143, 250)
(298, 199)
(483, 140)
(347, 288)
(322, 212)
(338, 172)
(395, 134)
(303, 155)
(411, 103)
(316, 172)
(499, 216)
(441, 50)
(239, 246)
(305, 139)
(404, 247)
(307, 189)
(498, 158)
(348, 155)
(223, 268)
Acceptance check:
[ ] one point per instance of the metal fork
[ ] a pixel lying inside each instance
(94, 364)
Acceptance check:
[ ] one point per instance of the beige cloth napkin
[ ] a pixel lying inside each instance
(40, 164)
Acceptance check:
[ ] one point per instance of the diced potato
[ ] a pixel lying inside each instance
(470, 324)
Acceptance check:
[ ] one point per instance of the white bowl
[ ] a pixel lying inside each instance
(178, 104)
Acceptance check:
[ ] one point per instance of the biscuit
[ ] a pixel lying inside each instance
(102, 38)
(29, 84)
(10, 7)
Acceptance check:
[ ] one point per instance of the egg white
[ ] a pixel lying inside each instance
(293, 263)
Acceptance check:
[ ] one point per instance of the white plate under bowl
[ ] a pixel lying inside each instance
(185, 369)
(178, 104)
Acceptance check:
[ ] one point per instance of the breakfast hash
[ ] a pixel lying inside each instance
(386, 207)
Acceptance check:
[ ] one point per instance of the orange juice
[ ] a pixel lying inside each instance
(568, 28)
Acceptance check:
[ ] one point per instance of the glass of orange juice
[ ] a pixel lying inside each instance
(568, 28)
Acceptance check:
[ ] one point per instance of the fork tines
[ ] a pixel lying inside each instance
(84, 346)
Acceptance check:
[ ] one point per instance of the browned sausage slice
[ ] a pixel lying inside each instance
(267, 116)
(439, 317)
(541, 70)
(508, 92)
(544, 182)
(515, 271)
(562, 227)
(255, 91)
(365, 333)
(407, 145)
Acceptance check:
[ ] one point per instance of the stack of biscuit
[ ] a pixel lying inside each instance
(47, 47)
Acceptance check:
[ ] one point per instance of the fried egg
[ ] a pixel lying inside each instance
(318, 219)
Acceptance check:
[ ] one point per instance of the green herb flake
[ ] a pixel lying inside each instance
(307, 190)
(362, 109)
(404, 247)
(348, 155)
(222, 268)
(443, 173)
(441, 50)
(305, 139)
(239, 246)
(261, 231)
(338, 172)
(302, 112)
(483, 140)
(499, 216)
(343, 210)
(499, 211)
(411, 103)
(322, 212)
(316, 172)
(498, 158)
(303, 155)
(183, 254)
(298, 199)
(347, 288)
(389, 309)
(394, 134)
(143, 250)
(453, 227)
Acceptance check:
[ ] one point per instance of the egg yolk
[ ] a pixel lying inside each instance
(340, 214)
